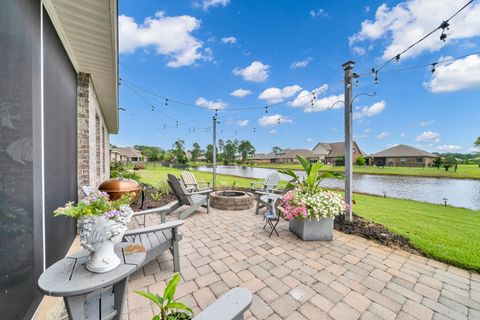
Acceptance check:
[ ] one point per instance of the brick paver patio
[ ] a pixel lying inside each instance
(348, 278)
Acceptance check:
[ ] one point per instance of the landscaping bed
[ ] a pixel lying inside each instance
(373, 231)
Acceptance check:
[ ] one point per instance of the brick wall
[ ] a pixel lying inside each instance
(93, 139)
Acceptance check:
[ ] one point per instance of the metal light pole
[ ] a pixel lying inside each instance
(348, 68)
(214, 151)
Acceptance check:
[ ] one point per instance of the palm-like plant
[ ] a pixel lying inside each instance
(169, 308)
(311, 182)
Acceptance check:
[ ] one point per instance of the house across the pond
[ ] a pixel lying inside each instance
(323, 151)
(126, 155)
(402, 156)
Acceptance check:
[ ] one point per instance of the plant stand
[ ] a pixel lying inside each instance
(312, 230)
(90, 295)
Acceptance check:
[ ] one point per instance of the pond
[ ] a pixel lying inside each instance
(459, 192)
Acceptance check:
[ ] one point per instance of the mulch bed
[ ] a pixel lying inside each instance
(149, 203)
(373, 231)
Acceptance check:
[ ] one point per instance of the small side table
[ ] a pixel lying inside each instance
(89, 295)
(272, 221)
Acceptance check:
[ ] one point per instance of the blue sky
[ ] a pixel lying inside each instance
(224, 54)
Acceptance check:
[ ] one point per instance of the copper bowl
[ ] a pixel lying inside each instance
(118, 187)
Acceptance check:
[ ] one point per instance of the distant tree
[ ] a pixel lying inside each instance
(221, 145)
(245, 148)
(209, 153)
(147, 152)
(276, 149)
(361, 161)
(449, 161)
(437, 162)
(340, 161)
(477, 143)
(230, 150)
(178, 150)
(168, 156)
(196, 152)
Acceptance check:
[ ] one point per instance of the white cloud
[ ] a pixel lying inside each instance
(458, 75)
(318, 13)
(242, 123)
(382, 135)
(255, 72)
(230, 40)
(402, 135)
(367, 9)
(410, 20)
(371, 111)
(240, 93)
(275, 95)
(274, 119)
(301, 64)
(169, 36)
(334, 129)
(428, 136)
(214, 105)
(205, 4)
(272, 131)
(448, 147)
(359, 50)
(426, 123)
(306, 100)
(309, 139)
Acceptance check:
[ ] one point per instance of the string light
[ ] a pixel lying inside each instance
(433, 67)
(443, 26)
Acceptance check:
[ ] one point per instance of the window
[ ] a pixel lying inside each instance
(419, 160)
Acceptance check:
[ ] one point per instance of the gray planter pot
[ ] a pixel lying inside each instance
(312, 230)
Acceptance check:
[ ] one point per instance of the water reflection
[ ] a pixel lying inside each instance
(459, 192)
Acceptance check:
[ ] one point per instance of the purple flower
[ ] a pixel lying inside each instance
(112, 214)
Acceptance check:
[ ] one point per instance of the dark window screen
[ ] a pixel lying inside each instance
(60, 105)
(20, 214)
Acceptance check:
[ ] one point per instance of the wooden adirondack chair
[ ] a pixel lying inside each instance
(269, 184)
(191, 182)
(156, 239)
(194, 199)
(263, 196)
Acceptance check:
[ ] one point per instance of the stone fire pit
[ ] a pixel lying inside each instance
(231, 200)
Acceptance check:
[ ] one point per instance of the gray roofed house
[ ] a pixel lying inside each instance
(127, 154)
(403, 156)
(328, 152)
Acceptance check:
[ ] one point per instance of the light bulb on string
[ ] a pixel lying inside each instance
(166, 102)
(254, 130)
(177, 124)
(433, 67)
(153, 107)
(444, 26)
(266, 109)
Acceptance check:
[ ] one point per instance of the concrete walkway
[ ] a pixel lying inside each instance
(348, 278)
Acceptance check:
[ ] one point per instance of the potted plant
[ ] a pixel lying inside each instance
(309, 208)
(169, 309)
(102, 223)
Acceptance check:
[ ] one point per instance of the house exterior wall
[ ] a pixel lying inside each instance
(93, 139)
(403, 161)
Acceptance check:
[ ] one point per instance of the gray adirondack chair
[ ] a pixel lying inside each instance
(194, 200)
(156, 239)
(191, 182)
(231, 306)
(269, 184)
(263, 196)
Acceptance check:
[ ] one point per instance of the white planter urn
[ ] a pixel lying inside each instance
(99, 236)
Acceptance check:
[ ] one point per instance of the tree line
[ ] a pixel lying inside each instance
(228, 151)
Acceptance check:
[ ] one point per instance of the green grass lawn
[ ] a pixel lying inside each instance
(155, 176)
(464, 171)
(445, 233)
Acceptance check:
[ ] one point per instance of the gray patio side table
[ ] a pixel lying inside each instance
(89, 295)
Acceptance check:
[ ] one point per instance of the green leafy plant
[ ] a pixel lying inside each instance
(169, 308)
(97, 204)
(155, 196)
(311, 182)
